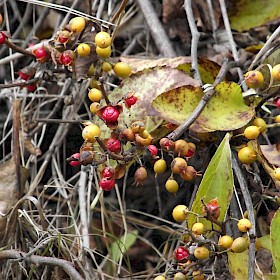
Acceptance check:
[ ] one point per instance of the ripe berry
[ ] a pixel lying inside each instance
(94, 107)
(90, 132)
(107, 184)
(110, 114)
(140, 175)
(239, 245)
(143, 141)
(3, 38)
(113, 145)
(160, 166)
(201, 253)
(122, 70)
(108, 172)
(27, 73)
(106, 67)
(171, 186)
(42, 54)
(64, 36)
(181, 147)
(102, 39)
(104, 53)
(275, 72)
(83, 49)
(180, 213)
(31, 87)
(166, 144)
(225, 242)
(181, 253)
(254, 79)
(251, 132)
(191, 150)
(213, 208)
(93, 83)
(276, 173)
(277, 119)
(126, 135)
(94, 95)
(278, 103)
(153, 150)
(260, 123)
(77, 24)
(198, 228)
(130, 100)
(75, 162)
(179, 165)
(244, 225)
(67, 57)
(247, 155)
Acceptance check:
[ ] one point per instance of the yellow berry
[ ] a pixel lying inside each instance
(93, 83)
(77, 24)
(239, 245)
(244, 225)
(94, 107)
(247, 155)
(225, 242)
(254, 79)
(251, 132)
(180, 213)
(276, 173)
(104, 53)
(277, 119)
(103, 39)
(201, 253)
(90, 132)
(179, 276)
(198, 275)
(91, 70)
(171, 185)
(275, 72)
(94, 95)
(106, 67)
(260, 123)
(198, 228)
(83, 49)
(160, 166)
(122, 69)
(179, 165)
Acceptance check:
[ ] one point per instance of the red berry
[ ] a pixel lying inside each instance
(75, 162)
(130, 100)
(24, 76)
(153, 149)
(64, 36)
(27, 73)
(181, 253)
(166, 144)
(31, 87)
(2, 38)
(110, 114)
(113, 145)
(67, 57)
(107, 184)
(108, 172)
(278, 103)
(42, 54)
(213, 208)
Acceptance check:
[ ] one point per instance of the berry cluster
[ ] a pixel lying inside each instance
(196, 250)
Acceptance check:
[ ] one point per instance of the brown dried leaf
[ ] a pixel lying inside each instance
(9, 196)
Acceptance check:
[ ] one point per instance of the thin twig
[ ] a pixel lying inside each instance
(249, 205)
(195, 39)
(19, 49)
(158, 33)
(38, 260)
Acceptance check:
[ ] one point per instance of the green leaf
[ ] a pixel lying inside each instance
(238, 265)
(217, 182)
(266, 242)
(225, 111)
(121, 246)
(275, 241)
(248, 14)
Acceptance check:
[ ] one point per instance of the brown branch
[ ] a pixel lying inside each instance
(65, 265)
(119, 11)
(20, 84)
(209, 93)
(18, 49)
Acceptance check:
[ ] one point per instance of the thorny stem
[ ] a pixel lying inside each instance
(18, 49)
